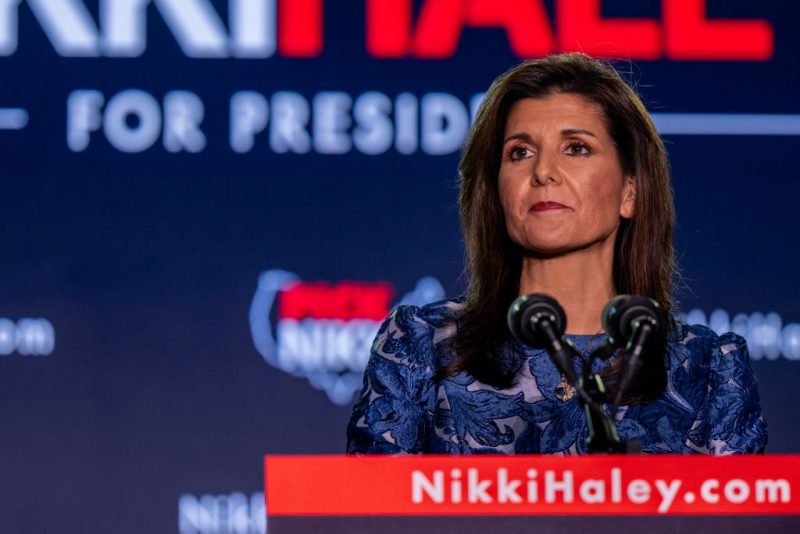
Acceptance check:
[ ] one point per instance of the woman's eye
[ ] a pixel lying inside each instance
(578, 148)
(519, 152)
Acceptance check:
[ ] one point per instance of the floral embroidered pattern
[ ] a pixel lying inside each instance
(711, 403)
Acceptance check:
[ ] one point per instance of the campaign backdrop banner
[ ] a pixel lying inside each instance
(210, 205)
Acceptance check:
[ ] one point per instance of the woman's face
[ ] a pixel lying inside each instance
(561, 184)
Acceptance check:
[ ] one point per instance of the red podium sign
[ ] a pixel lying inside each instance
(520, 486)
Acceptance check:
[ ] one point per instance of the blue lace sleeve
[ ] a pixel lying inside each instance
(391, 413)
(734, 419)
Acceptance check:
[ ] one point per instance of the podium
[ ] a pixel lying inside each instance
(493, 494)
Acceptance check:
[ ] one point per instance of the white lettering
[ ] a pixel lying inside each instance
(639, 491)
(736, 491)
(252, 24)
(331, 122)
(338, 346)
(668, 493)
(232, 513)
(290, 117)
(8, 337)
(306, 339)
(766, 335)
(364, 333)
(196, 26)
(553, 486)
(708, 491)
(83, 117)
(456, 486)
(592, 491)
(35, 337)
(477, 488)
(132, 137)
(767, 491)
(314, 345)
(444, 123)
(68, 26)
(533, 493)
(719, 321)
(8, 27)
(421, 486)
(507, 490)
(616, 484)
(124, 27)
(28, 337)
(183, 113)
(406, 135)
(373, 132)
(249, 114)
(790, 341)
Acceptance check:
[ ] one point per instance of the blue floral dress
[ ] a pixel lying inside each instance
(710, 405)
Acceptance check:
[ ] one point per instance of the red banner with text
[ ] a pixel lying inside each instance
(531, 485)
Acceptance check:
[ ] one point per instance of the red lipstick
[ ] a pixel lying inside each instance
(546, 206)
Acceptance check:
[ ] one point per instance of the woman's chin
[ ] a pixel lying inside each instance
(543, 251)
(554, 249)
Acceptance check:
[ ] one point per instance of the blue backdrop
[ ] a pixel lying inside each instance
(183, 179)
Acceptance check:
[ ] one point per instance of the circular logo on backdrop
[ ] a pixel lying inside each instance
(323, 331)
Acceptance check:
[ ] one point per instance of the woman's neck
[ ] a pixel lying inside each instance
(581, 281)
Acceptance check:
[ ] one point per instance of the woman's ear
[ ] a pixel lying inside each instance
(628, 205)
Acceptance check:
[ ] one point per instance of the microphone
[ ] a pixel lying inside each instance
(538, 320)
(634, 323)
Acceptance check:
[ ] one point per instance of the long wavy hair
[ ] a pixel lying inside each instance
(643, 258)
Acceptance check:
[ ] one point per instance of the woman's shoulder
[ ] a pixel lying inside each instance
(438, 318)
(413, 334)
(702, 344)
(699, 334)
(716, 366)
(437, 314)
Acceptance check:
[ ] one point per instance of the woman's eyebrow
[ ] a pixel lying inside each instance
(573, 131)
(522, 136)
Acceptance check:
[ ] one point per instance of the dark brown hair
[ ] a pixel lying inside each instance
(644, 257)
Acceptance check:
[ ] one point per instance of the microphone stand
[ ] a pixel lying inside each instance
(603, 437)
(537, 320)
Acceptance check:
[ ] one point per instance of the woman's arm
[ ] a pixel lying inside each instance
(734, 419)
(390, 414)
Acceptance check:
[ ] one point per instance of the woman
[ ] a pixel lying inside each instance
(564, 191)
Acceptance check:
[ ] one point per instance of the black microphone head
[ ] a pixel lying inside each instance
(621, 313)
(527, 311)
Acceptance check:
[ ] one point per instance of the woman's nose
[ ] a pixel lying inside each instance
(544, 169)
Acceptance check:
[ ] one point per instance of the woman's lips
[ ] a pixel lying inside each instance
(547, 206)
